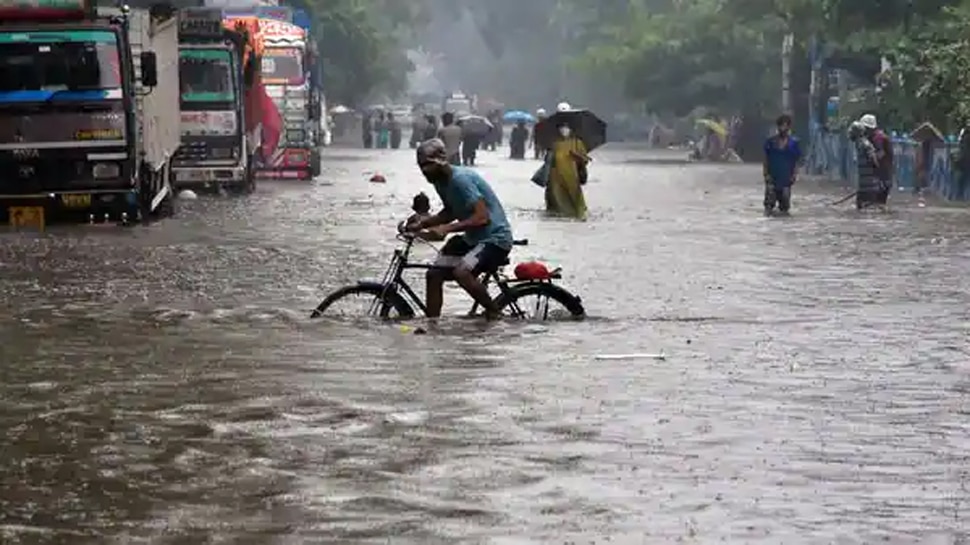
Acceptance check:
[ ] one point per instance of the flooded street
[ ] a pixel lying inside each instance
(163, 385)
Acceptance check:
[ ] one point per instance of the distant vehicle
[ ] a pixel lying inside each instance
(458, 104)
(401, 112)
(433, 109)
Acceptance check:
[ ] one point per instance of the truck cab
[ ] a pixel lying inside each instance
(214, 153)
(73, 137)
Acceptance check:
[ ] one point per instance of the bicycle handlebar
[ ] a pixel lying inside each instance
(401, 232)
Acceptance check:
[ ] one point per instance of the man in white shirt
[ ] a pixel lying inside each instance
(450, 134)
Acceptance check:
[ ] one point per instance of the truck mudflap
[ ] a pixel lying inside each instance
(95, 206)
(289, 163)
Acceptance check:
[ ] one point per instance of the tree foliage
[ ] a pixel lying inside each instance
(674, 55)
(667, 55)
(360, 42)
(930, 74)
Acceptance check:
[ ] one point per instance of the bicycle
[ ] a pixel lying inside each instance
(394, 294)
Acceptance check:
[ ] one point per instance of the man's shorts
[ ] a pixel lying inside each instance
(481, 258)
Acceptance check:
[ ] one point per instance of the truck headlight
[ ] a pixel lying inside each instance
(222, 153)
(102, 171)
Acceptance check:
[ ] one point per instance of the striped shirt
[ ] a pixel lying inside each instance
(868, 175)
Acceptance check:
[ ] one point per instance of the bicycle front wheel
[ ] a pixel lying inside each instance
(540, 301)
(365, 299)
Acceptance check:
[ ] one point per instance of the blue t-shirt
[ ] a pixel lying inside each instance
(459, 196)
(783, 161)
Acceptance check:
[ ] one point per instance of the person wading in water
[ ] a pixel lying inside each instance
(869, 189)
(539, 152)
(451, 135)
(782, 156)
(884, 158)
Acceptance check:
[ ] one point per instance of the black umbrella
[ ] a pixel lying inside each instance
(586, 126)
(475, 124)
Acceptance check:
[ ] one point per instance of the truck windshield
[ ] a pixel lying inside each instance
(56, 65)
(206, 75)
(283, 65)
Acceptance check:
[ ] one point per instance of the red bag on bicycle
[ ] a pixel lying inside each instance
(532, 270)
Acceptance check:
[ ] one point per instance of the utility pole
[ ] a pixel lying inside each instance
(563, 40)
(787, 44)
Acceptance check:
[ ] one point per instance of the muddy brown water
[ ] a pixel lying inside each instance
(163, 385)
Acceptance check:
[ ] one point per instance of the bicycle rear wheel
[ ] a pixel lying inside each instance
(515, 302)
(370, 299)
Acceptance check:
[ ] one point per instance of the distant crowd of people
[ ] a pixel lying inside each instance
(381, 130)
(564, 155)
(464, 136)
(464, 140)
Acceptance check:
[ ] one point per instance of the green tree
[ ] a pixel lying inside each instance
(675, 56)
(360, 42)
(930, 74)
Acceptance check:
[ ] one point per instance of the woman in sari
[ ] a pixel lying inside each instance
(383, 131)
(567, 174)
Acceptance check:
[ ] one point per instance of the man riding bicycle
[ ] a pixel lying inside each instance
(471, 208)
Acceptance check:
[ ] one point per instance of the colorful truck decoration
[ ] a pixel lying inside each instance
(288, 56)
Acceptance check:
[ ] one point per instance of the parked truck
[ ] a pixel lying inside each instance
(287, 58)
(86, 102)
(216, 71)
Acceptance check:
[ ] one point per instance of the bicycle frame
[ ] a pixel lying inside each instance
(394, 278)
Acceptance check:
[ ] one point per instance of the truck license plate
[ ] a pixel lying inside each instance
(26, 216)
(191, 176)
(76, 201)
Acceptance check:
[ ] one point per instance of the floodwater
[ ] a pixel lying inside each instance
(162, 384)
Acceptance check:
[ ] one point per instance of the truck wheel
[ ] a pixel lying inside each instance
(168, 206)
(163, 183)
(145, 192)
(250, 182)
(315, 166)
(247, 185)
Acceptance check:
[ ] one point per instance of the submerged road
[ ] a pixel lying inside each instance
(162, 384)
